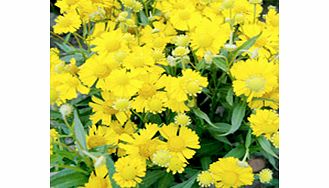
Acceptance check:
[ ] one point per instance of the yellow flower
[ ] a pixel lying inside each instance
(265, 176)
(183, 17)
(182, 119)
(99, 178)
(205, 179)
(141, 145)
(192, 82)
(181, 144)
(228, 173)
(54, 136)
(182, 40)
(209, 36)
(270, 99)
(129, 171)
(176, 164)
(97, 67)
(109, 42)
(140, 57)
(100, 136)
(161, 158)
(66, 5)
(180, 51)
(275, 139)
(264, 122)
(69, 22)
(122, 105)
(103, 109)
(122, 83)
(69, 86)
(253, 78)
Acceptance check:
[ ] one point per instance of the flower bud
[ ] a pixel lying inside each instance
(227, 4)
(171, 61)
(230, 47)
(66, 109)
(208, 56)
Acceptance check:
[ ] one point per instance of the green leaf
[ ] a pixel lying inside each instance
(188, 183)
(111, 169)
(248, 139)
(66, 48)
(221, 64)
(237, 116)
(239, 111)
(166, 181)
(151, 178)
(202, 115)
(237, 152)
(229, 97)
(245, 46)
(67, 178)
(205, 162)
(144, 20)
(79, 132)
(266, 146)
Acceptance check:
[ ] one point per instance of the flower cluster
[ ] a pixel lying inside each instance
(137, 86)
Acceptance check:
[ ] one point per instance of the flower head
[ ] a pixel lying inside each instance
(129, 171)
(264, 122)
(69, 22)
(265, 176)
(205, 179)
(228, 173)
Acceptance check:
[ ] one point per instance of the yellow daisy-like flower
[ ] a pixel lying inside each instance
(209, 36)
(109, 42)
(97, 67)
(176, 165)
(275, 139)
(264, 122)
(129, 171)
(228, 173)
(192, 82)
(205, 179)
(100, 136)
(99, 178)
(270, 99)
(182, 119)
(70, 86)
(253, 78)
(122, 83)
(161, 158)
(103, 109)
(184, 17)
(180, 51)
(181, 40)
(69, 22)
(183, 143)
(265, 176)
(141, 145)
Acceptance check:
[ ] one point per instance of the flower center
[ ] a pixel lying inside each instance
(176, 144)
(96, 140)
(128, 172)
(184, 14)
(121, 105)
(229, 178)
(205, 40)
(256, 83)
(192, 87)
(112, 45)
(147, 91)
